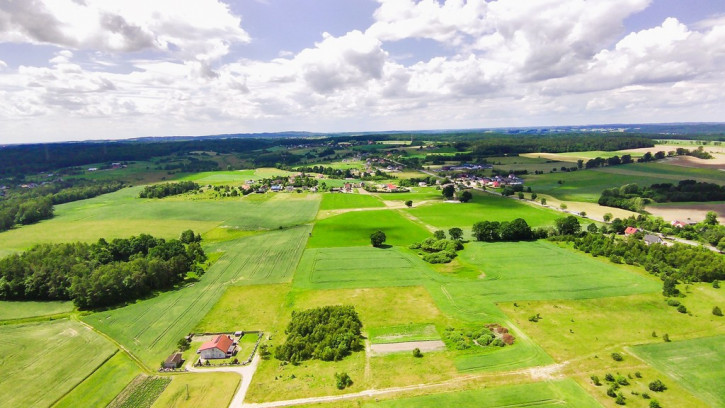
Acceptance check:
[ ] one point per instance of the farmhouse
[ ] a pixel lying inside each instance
(221, 346)
(630, 230)
(679, 224)
(650, 239)
(173, 361)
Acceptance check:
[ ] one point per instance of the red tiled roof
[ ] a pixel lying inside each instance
(630, 230)
(392, 186)
(220, 342)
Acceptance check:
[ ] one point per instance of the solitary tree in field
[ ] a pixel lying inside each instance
(409, 203)
(465, 197)
(607, 217)
(377, 238)
(448, 192)
(455, 233)
(543, 201)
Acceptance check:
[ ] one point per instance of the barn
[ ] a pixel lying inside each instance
(221, 346)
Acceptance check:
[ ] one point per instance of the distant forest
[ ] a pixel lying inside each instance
(29, 159)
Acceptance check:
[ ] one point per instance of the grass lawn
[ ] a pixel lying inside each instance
(483, 207)
(354, 229)
(335, 201)
(122, 213)
(564, 393)
(151, 328)
(103, 385)
(253, 307)
(403, 333)
(204, 390)
(352, 267)
(41, 362)
(697, 364)
(20, 310)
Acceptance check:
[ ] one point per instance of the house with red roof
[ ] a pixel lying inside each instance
(221, 346)
(679, 224)
(630, 230)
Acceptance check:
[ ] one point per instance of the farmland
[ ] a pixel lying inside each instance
(21, 310)
(343, 201)
(152, 327)
(141, 392)
(354, 229)
(697, 364)
(61, 353)
(195, 390)
(103, 385)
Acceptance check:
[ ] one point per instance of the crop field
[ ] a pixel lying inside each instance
(20, 310)
(564, 393)
(103, 385)
(151, 328)
(483, 207)
(403, 333)
(33, 356)
(686, 211)
(557, 273)
(141, 392)
(197, 390)
(665, 171)
(354, 229)
(234, 177)
(351, 267)
(697, 364)
(332, 201)
(253, 307)
(415, 194)
(122, 214)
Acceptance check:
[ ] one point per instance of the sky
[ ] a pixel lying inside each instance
(109, 69)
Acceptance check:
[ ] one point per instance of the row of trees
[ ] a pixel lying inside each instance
(634, 198)
(326, 333)
(168, 189)
(682, 262)
(100, 274)
(25, 212)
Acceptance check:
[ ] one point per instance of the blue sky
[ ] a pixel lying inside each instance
(104, 69)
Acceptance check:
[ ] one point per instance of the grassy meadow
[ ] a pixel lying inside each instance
(151, 328)
(697, 364)
(337, 201)
(10, 310)
(34, 356)
(354, 229)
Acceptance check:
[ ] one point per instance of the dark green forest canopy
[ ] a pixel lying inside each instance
(327, 333)
(100, 274)
(633, 197)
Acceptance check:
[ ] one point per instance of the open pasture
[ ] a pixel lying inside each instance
(354, 229)
(151, 327)
(337, 201)
(10, 310)
(122, 213)
(34, 356)
(415, 194)
(483, 207)
(697, 364)
(352, 267)
(253, 307)
(563, 393)
(403, 333)
(103, 385)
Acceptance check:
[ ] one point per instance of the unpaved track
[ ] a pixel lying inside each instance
(247, 372)
(429, 345)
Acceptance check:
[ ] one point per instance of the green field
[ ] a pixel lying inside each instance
(103, 385)
(565, 393)
(234, 177)
(199, 390)
(354, 229)
(483, 207)
(697, 364)
(587, 185)
(122, 214)
(253, 307)
(151, 328)
(335, 201)
(141, 392)
(416, 194)
(354, 267)
(403, 333)
(42, 362)
(21, 310)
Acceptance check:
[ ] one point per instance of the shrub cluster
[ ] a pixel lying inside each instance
(326, 333)
(438, 250)
(168, 189)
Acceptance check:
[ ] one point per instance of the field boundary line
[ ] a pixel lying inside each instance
(54, 403)
(120, 346)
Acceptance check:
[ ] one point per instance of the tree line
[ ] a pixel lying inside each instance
(326, 333)
(26, 207)
(100, 274)
(634, 198)
(168, 189)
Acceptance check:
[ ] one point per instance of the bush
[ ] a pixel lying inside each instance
(682, 309)
(417, 353)
(666, 338)
(342, 380)
(612, 392)
(620, 399)
(595, 380)
(654, 404)
(617, 357)
(657, 386)
(716, 311)
(673, 302)
(622, 380)
(377, 238)
(609, 377)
